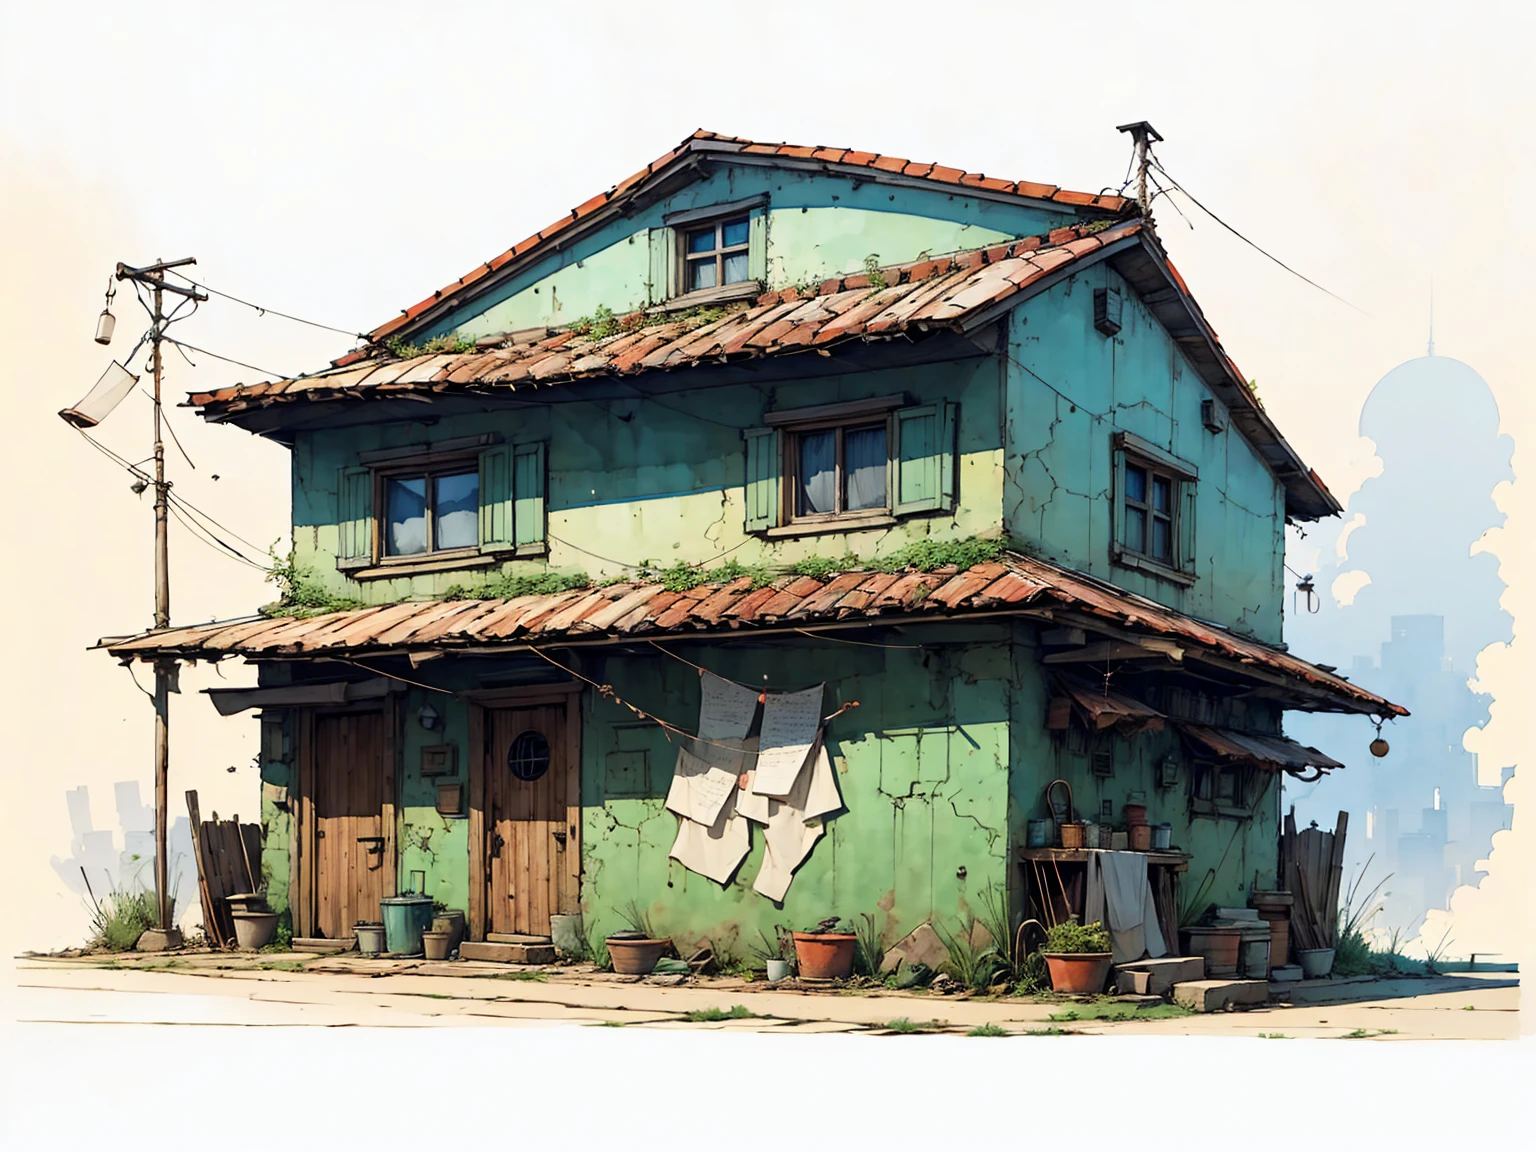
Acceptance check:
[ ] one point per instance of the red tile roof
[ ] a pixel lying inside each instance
(725, 146)
(945, 292)
(633, 611)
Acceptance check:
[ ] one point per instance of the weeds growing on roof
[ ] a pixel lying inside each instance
(509, 586)
(399, 348)
(299, 591)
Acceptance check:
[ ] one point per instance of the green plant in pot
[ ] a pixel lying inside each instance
(1078, 956)
(778, 953)
(635, 950)
(825, 950)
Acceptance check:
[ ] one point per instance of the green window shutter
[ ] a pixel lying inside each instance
(1117, 508)
(354, 519)
(762, 488)
(495, 499)
(663, 244)
(1187, 559)
(528, 519)
(757, 246)
(925, 459)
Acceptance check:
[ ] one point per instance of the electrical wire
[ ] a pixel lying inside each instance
(262, 310)
(228, 359)
(1158, 165)
(213, 541)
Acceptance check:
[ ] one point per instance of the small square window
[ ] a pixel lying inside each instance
(841, 470)
(1153, 515)
(437, 511)
(715, 254)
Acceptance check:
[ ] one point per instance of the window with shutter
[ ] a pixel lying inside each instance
(529, 512)
(355, 518)
(1154, 510)
(838, 467)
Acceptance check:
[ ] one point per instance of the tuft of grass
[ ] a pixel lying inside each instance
(974, 967)
(907, 1027)
(121, 916)
(710, 1015)
(509, 586)
(987, 1030)
(868, 954)
(638, 918)
(1107, 1009)
(536, 977)
(1046, 1032)
(1273, 1036)
(281, 966)
(609, 1024)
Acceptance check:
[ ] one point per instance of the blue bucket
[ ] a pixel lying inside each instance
(405, 919)
(1037, 834)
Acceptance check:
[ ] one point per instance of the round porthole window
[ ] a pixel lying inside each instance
(528, 758)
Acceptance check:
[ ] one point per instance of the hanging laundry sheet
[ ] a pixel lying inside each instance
(793, 824)
(709, 767)
(1118, 895)
(715, 850)
(791, 721)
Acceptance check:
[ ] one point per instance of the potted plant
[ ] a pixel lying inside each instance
(634, 952)
(825, 951)
(778, 954)
(1078, 957)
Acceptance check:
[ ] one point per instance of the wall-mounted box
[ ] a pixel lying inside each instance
(1106, 310)
(1210, 416)
(440, 760)
(450, 799)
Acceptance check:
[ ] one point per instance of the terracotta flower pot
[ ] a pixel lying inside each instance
(1072, 835)
(1079, 972)
(636, 957)
(1141, 837)
(824, 955)
(1218, 946)
(436, 945)
(254, 930)
(1135, 814)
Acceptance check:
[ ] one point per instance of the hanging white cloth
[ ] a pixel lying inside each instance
(1118, 896)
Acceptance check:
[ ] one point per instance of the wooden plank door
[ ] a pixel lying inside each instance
(351, 847)
(532, 849)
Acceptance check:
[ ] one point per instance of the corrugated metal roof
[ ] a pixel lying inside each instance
(1103, 707)
(1273, 752)
(709, 144)
(943, 292)
(1012, 583)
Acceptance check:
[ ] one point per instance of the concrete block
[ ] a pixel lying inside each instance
(1217, 995)
(1133, 982)
(1167, 971)
(920, 946)
(507, 953)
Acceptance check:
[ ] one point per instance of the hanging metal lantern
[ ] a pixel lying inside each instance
(105, 323)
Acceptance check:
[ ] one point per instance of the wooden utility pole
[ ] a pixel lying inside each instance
(1144, 135)
(153, 277)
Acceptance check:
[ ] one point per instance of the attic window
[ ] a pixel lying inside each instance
(715, 254)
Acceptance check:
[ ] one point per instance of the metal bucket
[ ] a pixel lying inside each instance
(1162, 837)
(405, 919)
(1037, 834)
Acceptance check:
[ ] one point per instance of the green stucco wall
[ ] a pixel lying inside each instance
(633, 481)
(1070, 389)
(816, 226)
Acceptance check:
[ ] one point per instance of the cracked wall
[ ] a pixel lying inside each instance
(660, 481)
(1069, 390)
(922, 766)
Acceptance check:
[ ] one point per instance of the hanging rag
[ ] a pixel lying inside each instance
(1119, 897)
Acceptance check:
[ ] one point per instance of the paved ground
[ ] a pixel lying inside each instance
(337, 991)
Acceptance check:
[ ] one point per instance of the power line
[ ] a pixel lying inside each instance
(262, 310)
(228, 360)
(1158, 165)
(213, 541)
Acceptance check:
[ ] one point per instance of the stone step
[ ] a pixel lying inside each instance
(504, 953)
(1165, 972)
(319, 944)
(516, 938)
(1219, 995)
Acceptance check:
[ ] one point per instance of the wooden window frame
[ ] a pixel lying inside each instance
(719, 254)
(1148, 508)
(426, 470)
(789, 464)
(1133, 452)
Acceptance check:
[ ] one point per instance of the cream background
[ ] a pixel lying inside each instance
(342, 163)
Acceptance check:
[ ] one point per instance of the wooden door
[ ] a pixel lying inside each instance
(351, 846)
(532, 849)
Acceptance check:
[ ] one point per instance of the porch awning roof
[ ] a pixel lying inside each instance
(1103, 707)
(1137, 629)
(1275, 753)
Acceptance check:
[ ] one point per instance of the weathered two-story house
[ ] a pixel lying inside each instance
(963, 450)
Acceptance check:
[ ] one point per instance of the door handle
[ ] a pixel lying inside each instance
(496, 844)
(375, 851)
